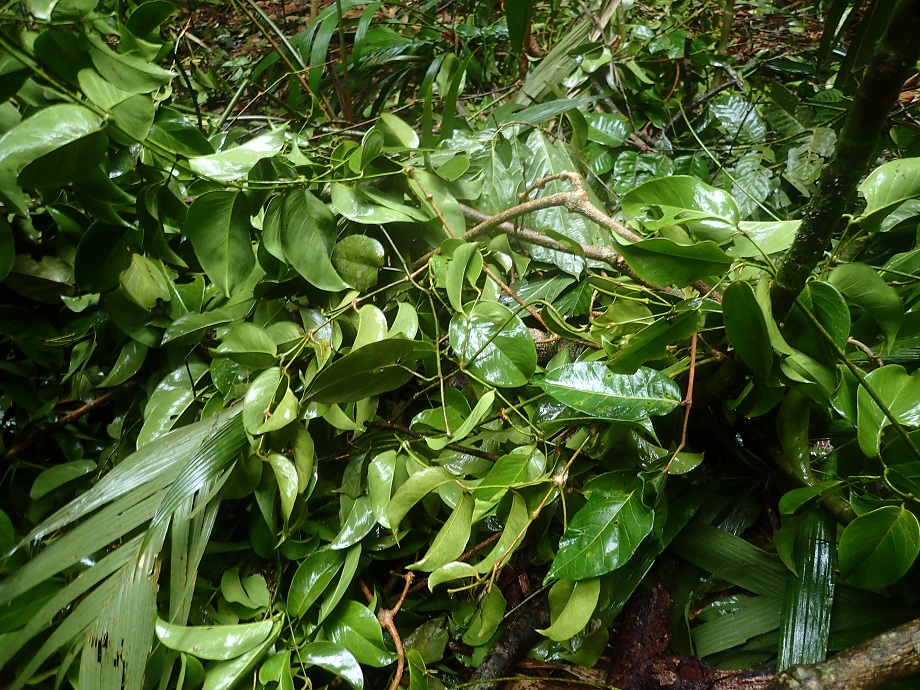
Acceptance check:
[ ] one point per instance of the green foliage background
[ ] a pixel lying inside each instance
(257, 372)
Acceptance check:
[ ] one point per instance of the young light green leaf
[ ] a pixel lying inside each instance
(237, 161)
(413, 490)
(286, 476)
(257, 403)
(450, 541)
(571, 605)
(900, 391)
(216, 642)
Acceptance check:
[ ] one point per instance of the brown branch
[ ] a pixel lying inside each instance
(385, 616)
(873, 664)
(41, 434)
(687, 403)
(395, 426)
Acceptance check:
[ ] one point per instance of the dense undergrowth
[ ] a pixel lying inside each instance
(326, 356)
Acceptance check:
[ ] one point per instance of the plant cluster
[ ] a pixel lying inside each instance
(313, 399)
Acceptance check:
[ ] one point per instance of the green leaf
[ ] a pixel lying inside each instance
(311, 579)
(494, 344)
(60, 9)
(396, 132)
(257, 402)
(357, 259)
(307, 236)
(571, 605)
(863, 286)
(602, 536)
(879, 547)
(483, 407)
(128, 72)
(357, 206)
(708, 213)
(450, 541)
(357, 525)
(746, 328)
(591, 387)
(899, 391)
(763, 237)
(216, 642)
(888, 186)
(129, 362)
(413, 490)
(236, 162)
(515, 529)
(48, 129)
(372, 326)
(7, 249)
(333, 658)
(286, 476)
(374, 369)
(218, 227)
(661, 261)
(145, 282)
(171, 398)
(225, 675)
(56, 476)
(356, 629)
(249, 345)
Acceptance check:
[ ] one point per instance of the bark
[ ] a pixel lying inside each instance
(871, 665)
(894, 59)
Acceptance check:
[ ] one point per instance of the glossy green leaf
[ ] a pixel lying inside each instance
(493, 344)
(48, 129)
(374, 369)
(707, 212)
(450, 541)
(145, 282)
(879, 547)
(487, 618)
(863, 286)
(413, 490)
(219, 642)
(335, 659)
(286, 476)
(888, 186)
(56, 476)
(282, 414)
(129, 361)
(806, 617)
(128, 72)
(349, 569)
(358, 258)
(900, 392)
(661, 261)
(354, 204)
(396, 131)
(312, 578)
(478, 413)
(372, 326)
(218, 227)
(356, 629)
(357, 525)
(307, 236)
(516, 525)
(380, 473)
(224, 675)
(746, 328)
(236, 162)
(591, 387)
(457, 273)
(602, 536)
(257, 404)
(759, 238)
(60, 9)
(171, 398)
(571, 605)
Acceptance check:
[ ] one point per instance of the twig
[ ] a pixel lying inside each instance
(81, 411)
(870, 355)
(394, 426)
(687, 404)
(385, 616)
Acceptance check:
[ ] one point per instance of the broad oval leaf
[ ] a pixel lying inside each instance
(335, 659)
(307, 236)
(664, 262)
(746, 328)
(494, 344)
(237, 161)
(49, 129)
(311, 579)
(215, 642)
(707, 212)
(901, 393)
(888, 186)
(879, 547)
(374, 369)
(218, 227)
(357, 258)
(355, 628)
(571, 605)
(602, 536)
(591, 387)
